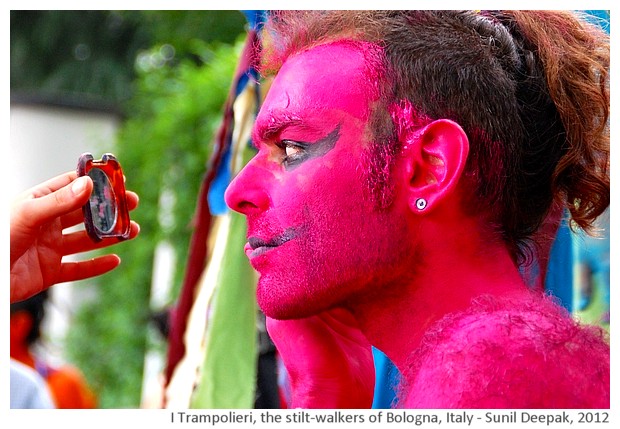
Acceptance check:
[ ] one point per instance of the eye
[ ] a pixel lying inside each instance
(294, 152)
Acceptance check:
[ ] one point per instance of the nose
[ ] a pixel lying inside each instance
(246, 193)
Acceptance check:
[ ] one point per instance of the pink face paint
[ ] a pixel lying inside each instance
(314, 235)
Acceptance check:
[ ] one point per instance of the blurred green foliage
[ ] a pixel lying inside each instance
(164, 145)
(92, 53)
(169, 72)
(74, 52)
(168, 138)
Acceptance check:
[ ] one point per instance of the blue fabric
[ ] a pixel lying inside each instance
(559, 279)
(387, 377)
(223, 174)
(217, 205)
(601, 17)
(255, 18)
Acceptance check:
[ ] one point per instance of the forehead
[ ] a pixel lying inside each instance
(328, 80)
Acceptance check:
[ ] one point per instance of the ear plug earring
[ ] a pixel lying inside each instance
(420, 203)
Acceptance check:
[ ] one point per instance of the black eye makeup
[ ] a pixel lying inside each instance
(296, 152)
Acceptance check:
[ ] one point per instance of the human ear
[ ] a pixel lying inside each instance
(435, 158)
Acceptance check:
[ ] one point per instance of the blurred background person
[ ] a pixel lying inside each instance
(66, 383)
(28, 389)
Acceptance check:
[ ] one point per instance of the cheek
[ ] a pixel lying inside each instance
(339, 217)
(321, 191)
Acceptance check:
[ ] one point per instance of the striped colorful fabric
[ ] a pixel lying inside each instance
(212, 342)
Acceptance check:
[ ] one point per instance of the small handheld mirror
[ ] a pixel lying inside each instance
(105, 213)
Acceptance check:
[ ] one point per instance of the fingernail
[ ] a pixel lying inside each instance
(78, 185)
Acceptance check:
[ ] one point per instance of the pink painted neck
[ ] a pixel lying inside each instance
(395, 319)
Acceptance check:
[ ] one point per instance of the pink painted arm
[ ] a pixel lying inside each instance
(328, 360)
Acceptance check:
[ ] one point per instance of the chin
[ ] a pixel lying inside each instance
(279, 303)
(276, 309)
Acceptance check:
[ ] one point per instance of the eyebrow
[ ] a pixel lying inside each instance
(272, 125)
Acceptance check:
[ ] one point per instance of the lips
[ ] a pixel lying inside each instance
(257, 246)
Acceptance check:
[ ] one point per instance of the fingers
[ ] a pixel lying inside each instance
(40, 210)
(72, 219)
(73, 271)
(79, 241)
(327, 367)
(51, 185)
(132, 200)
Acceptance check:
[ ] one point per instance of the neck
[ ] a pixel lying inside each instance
(453, 272)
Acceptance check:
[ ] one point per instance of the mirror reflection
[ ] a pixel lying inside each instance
(102, 201)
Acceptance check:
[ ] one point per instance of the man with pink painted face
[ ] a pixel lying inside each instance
(405, 161)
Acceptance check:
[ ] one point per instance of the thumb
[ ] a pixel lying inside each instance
(60, 202)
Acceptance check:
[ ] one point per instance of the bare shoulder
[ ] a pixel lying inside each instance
(525, 355)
